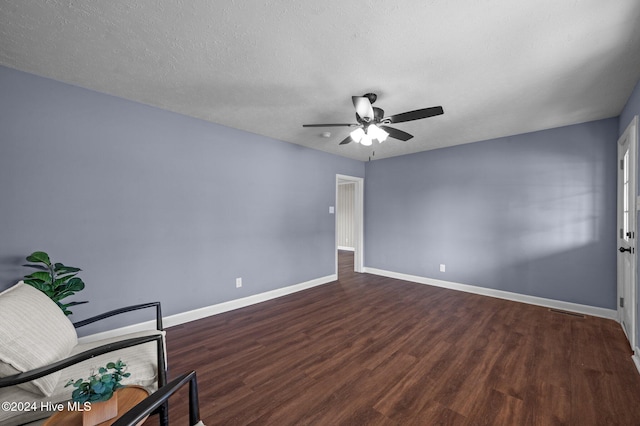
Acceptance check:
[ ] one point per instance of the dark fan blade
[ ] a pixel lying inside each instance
(346, 140)
(331, 125)
(416, 115)
(397, 134)
(363, 107)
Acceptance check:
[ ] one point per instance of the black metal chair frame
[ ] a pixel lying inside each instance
(110, 347)
(160, 398)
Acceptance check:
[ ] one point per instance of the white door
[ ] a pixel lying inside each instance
(627, 145)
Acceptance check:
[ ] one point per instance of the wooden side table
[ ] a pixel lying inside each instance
(128, 397)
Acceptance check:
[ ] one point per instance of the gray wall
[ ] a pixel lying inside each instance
(531, 214)
(154, 205)
(158, 206)
(632, 109)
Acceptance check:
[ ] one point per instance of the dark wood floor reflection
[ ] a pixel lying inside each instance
(368, 350)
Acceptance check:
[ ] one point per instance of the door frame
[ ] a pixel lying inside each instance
(358, 222)
(630, 134)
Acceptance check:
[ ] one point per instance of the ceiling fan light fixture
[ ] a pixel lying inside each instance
(366, 140)
(357, 134)
(376, 132)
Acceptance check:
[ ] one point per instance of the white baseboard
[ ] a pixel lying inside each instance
(501, 294)
(184, 317)
(346, 248)
(207, 311)
(636, 358)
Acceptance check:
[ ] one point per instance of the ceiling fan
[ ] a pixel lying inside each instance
(372, 124)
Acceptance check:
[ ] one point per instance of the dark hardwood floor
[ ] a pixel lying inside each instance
(369, 350)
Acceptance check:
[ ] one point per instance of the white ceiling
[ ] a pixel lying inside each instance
(498, 67)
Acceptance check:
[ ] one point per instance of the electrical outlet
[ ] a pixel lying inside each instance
(238, 282)
(442, 267)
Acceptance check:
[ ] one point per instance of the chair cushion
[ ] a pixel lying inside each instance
(141, 359)
(35, 332)
(141, 362)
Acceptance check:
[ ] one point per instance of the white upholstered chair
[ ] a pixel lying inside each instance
(39, 353)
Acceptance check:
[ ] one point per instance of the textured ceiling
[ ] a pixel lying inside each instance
(498, 67)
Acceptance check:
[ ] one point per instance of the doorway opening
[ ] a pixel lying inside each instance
(350, 220)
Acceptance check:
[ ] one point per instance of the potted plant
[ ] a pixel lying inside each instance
(54, 279)
(99, 390)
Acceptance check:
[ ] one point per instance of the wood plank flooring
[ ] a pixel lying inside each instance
(369, 350)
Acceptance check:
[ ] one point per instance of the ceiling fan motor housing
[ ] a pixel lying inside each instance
(371, 96)
(378, 116)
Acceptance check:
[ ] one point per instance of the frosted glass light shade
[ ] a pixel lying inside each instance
(377, 133)
(357, 134)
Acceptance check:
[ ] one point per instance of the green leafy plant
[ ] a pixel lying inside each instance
(100, 386)
(54, 279)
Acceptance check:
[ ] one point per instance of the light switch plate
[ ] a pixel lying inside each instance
(332, 209)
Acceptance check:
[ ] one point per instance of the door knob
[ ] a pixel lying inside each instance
(622, 249)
